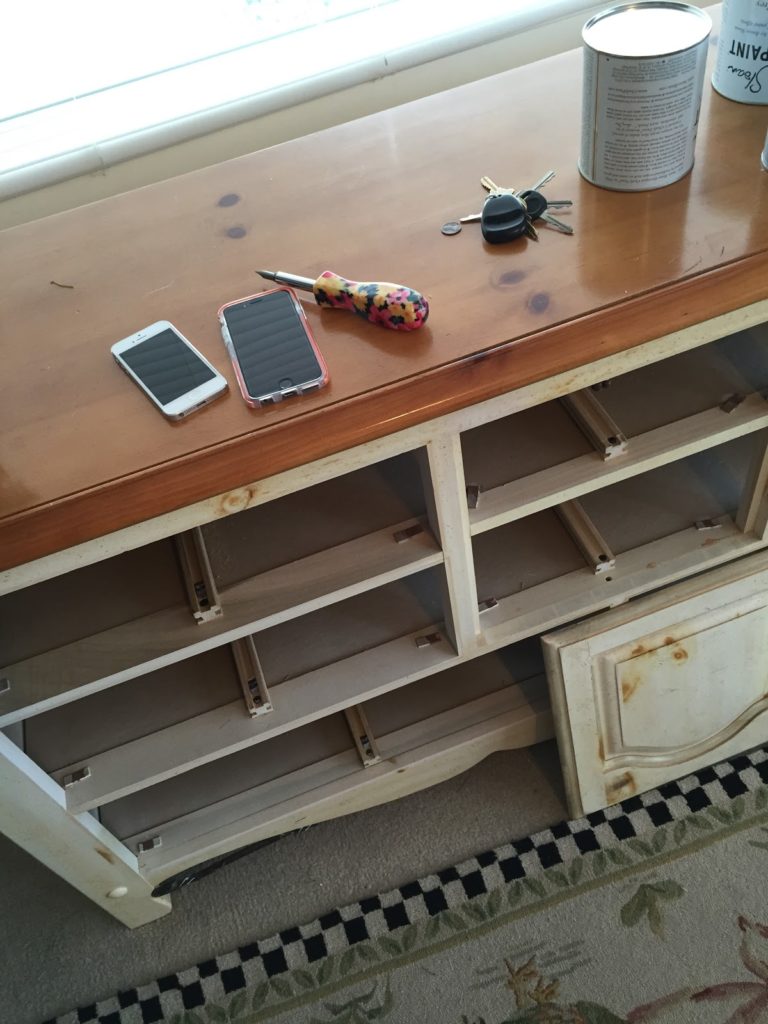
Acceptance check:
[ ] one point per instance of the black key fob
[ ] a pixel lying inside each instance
(535, 202)
(502, 219)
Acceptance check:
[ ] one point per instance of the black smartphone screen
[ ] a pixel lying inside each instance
(271, 344)
(166, 366)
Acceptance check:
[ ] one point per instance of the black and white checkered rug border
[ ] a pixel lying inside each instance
(370, 918)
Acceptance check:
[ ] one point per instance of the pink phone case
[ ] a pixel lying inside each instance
(297, 388)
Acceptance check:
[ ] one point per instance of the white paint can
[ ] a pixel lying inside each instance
(643, 79)
(741, 71)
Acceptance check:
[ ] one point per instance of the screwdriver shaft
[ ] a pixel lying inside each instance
(293, 280)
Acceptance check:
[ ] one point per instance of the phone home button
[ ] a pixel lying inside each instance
(285, 383)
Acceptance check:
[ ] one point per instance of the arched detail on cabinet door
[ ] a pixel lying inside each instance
(695, 750)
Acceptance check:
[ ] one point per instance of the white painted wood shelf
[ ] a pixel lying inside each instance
(371, 625)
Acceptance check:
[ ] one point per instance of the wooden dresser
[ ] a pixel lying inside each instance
(222, 629)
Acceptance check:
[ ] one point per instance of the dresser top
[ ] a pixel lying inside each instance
(83, 453)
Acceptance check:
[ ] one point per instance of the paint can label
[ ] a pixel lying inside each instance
(640, 117)
(741, 71)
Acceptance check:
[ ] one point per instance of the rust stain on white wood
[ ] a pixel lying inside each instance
(629, 685)
(621, 788)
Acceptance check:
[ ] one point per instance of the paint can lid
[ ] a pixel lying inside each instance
(647, 29)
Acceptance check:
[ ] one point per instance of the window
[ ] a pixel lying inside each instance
(90, 82)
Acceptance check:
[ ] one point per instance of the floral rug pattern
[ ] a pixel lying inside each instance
(650, 893)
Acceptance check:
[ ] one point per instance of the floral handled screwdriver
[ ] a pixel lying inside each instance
(391, 305)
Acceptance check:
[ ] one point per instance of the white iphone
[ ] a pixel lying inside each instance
(169, 370)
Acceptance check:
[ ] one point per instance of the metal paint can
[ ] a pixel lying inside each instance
(764, 157)
(643, 79)
(741, 70)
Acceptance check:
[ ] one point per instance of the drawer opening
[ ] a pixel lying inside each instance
(76, 734)
(672, 498)
(456, 688)
(248, 543)
(689, 382)
(89, 600)
(63, 633)
(647, 531)
(681, 406)
(523, 555)
(521, 445)
(194, 711)
(409, 606)
(443, 725)
(266, 767)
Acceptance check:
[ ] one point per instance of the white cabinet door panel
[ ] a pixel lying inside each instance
(662, 686)
(651, 692)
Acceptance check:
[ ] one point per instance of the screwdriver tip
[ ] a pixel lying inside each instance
(268, 275)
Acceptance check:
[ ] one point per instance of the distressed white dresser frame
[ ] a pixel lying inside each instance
(34, 810)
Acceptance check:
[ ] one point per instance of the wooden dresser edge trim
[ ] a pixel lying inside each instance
(86, 515)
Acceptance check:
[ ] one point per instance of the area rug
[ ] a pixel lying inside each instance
(652, 910)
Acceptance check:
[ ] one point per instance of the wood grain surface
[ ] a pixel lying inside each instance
(82, 451)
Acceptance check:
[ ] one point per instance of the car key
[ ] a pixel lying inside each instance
(504, 215)
(503, 218)
(538, 205)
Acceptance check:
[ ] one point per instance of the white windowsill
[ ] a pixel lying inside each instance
(152, 114)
